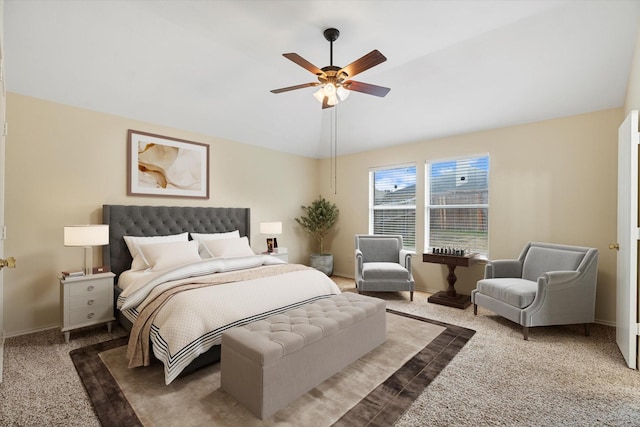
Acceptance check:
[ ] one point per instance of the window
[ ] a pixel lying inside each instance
(392, 202)
(457, 204)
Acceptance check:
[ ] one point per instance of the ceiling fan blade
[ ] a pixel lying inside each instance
(325, 103)
(303, 63)
(371, 59)
(367, 88)
(302, 86)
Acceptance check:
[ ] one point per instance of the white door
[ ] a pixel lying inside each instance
(627, 265)
(3, 114)
(2, 146)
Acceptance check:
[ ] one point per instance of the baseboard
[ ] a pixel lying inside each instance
(605, 322)
(346, 276)
(31, 331)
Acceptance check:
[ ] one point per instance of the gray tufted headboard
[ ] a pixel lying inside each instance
(162, 220)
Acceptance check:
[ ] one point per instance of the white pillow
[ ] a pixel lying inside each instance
(132, 242)
(201, 237)
(228, 248)
(162, 256)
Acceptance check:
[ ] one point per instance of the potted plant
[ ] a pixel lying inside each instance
(319, 217)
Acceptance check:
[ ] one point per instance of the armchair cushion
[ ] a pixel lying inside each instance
(541, 260)
(513, 291)
(380, 250)
(384, 271)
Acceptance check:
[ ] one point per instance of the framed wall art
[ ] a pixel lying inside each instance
(166, 167)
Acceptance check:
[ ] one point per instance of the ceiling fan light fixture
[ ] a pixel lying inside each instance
(334, 95)
(342, 93)
(319, 94)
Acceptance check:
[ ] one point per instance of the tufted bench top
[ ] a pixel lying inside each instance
(266, 341)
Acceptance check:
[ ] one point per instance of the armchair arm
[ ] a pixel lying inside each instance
(560, 279)
(405, 258)
(563, 297)
(359, 261)
(503, 268)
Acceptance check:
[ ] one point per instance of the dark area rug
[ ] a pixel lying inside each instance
(382, 407)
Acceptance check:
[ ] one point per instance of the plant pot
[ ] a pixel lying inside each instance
(323, 262)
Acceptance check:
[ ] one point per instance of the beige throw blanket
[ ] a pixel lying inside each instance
(138, 352)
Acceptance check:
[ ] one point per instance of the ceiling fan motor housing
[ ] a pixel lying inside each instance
(331, 34)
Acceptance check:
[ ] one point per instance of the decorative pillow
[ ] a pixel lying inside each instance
(228, 248)
(162, 256)
(201, 237)
(132, 242)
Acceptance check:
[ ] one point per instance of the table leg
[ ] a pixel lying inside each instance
(451, 279)
(450, 297)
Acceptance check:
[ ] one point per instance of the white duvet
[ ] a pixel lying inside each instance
(191, 322)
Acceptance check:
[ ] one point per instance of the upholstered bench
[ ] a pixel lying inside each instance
(267, 364)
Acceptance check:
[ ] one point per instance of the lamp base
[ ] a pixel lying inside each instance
(88, 261)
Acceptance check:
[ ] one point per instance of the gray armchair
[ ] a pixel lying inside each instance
(382, 264)
(548, 284)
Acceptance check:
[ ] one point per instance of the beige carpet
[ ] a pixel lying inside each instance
(558, 377)
(197, 400)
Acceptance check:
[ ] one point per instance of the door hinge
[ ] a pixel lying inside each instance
(5, 129)
(638, 329)
(3, 232)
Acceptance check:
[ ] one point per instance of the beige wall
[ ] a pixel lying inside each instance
(552, 181)
(64, 163)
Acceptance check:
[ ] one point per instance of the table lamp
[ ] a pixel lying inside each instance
(86, 236)
(271, 228)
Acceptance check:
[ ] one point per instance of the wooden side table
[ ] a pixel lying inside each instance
(450, 297)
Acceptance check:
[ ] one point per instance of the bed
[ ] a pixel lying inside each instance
(246, 286)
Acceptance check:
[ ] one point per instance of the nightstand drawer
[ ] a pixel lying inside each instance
(90, 287)
(90, 315)
(87, 300)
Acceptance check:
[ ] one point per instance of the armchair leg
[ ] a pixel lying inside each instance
(475, 309)
(411, 295)
(525, 332)
(587, 329)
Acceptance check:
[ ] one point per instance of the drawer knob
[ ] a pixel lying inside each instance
(90, 302)
(90, 287)
(90, 315)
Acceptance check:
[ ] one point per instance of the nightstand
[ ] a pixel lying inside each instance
(282, 254)
(86, 301)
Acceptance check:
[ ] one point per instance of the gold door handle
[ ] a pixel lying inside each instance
(615, 246)
(9, 263)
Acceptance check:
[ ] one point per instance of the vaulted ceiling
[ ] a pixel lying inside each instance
(208, 66)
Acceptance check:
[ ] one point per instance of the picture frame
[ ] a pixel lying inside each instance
(163, 166)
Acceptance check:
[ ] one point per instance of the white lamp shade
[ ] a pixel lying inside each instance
(86, 235)
(271, 228)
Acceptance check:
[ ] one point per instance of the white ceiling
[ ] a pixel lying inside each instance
(208, 66)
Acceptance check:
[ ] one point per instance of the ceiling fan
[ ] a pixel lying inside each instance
(336, 82)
